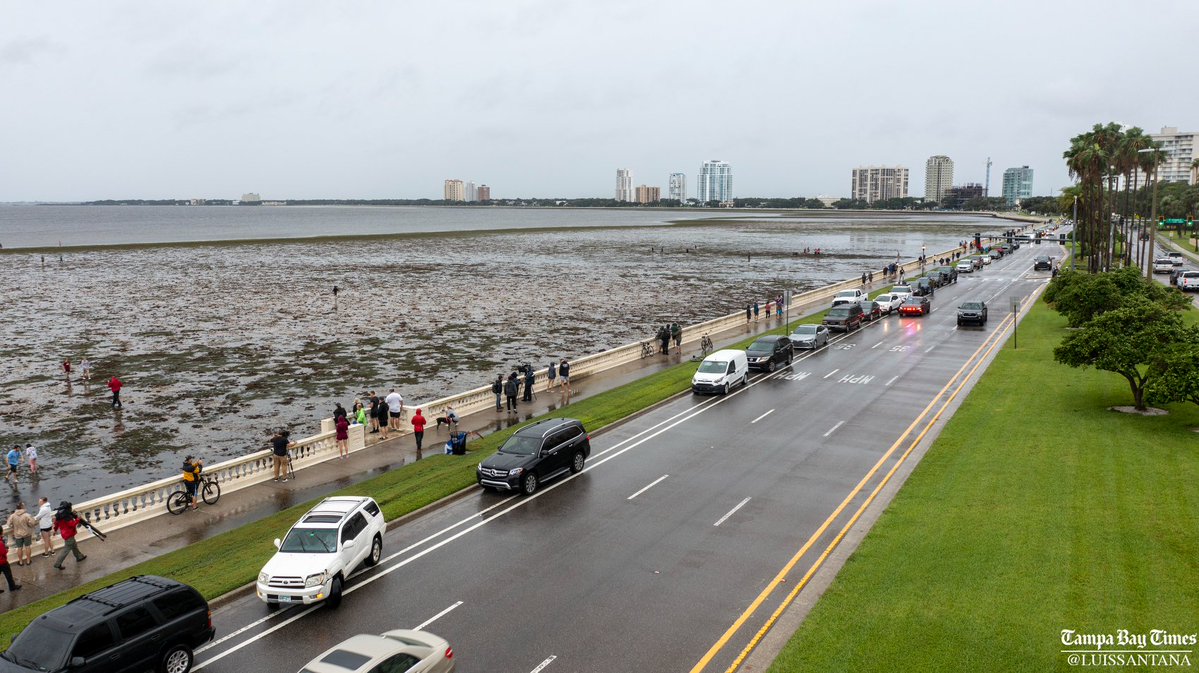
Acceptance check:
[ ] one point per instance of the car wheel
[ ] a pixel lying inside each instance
(334, 599)
(376, 552)
(528, 484)
(789, 357)
(576, 463)
(744, 380)
(769, 366)
(725, 390)
(177, 659)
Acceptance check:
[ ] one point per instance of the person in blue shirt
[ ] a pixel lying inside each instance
(14, 461)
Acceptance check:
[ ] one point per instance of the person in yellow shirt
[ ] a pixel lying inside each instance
(192, 467)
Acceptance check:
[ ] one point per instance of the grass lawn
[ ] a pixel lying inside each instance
(1036, 510)
(232, 559)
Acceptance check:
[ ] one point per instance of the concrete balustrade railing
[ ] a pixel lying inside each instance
(143, 502)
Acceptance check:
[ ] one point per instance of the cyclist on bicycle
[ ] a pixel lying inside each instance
(192, 467)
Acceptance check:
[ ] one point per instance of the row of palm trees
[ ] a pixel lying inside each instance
(1107, 228)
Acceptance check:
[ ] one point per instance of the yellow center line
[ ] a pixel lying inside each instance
(988, 344)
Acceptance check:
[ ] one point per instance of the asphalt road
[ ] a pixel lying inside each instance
(684, 516)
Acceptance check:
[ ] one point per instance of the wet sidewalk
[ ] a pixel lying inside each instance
(145, 540)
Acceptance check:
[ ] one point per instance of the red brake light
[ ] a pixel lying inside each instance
(449, 652)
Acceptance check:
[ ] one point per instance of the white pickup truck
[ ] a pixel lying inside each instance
(1163, 265)
(320, 551)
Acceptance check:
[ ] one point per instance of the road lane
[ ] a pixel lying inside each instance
(582, 574)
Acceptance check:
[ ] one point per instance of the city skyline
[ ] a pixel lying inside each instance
(166, 101)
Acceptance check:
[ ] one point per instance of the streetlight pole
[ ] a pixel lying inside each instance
(1074, 228)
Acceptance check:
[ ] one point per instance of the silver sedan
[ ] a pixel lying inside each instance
(810, 336)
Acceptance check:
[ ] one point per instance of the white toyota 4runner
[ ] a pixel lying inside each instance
(321, 550)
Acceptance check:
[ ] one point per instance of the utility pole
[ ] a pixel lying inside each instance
(1073, 249)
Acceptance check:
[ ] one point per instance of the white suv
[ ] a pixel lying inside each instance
(321, 550)
(1188, 281)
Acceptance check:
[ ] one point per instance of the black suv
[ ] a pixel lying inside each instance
(143, 623)
(924, 287)
(844, 318)
(1042, 263)
(974, 312)
(769, 352)
(536, 453)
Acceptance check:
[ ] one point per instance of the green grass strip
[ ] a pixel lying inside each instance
(1036, 510)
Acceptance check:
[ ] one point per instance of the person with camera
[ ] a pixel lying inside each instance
(530, 377)
(280, 443)
(192, 467)
(66, 521)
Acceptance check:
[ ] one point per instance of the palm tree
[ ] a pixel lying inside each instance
(1149, 161)
(1127, 163)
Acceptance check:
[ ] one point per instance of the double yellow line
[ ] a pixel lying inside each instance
(989, 345)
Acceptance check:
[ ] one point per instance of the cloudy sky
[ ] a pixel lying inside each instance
(380, 99)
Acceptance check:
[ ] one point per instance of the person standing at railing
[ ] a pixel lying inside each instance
(676, 333)
(395, 409)
(530, 377)
(550, 375)
(192, 467)
(497, 389)
(564, 374)
(45, 524)
(342, 429)
(22, 525)
(384, 419)
(511, 388)
(280, 443)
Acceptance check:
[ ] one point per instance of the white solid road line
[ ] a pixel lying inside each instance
(651, 485)
(761, 417)
(930, 348)
(542, 665)
(834, 428)
(731, 512)
(256, 638)
(831, 373)
(437, 616)
(893, 378)
(876, 345)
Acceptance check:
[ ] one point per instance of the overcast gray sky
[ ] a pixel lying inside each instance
(548, 98)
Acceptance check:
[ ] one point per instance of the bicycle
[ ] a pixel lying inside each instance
(209, 490)
(705, 344)
(647, 349)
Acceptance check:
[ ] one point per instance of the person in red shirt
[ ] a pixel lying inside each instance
(343, 435)
(418, 429)
(114, 384)
(65, 522)
(4, 569)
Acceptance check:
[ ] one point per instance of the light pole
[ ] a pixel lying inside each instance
(1074, 228)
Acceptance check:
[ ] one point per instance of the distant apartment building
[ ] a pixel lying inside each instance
(957, 197)
(715, 182)
(938, 177)
(647, 194)
(470, 191)
(879, 183)
(455, 190)
(1180, 152)
(624, 185)
(677, 188)
(250, 197)
(484, 193)
(1017, 184)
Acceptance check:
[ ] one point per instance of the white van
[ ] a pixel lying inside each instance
(720, 371)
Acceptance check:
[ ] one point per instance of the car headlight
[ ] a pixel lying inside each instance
(479, 467)
(516, 471)
(264, 578)
(315, 580)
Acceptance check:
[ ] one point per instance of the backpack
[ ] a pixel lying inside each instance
(496, 387)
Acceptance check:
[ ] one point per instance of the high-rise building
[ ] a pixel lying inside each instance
(624, 185)
(471, 193)
(484, 193)
(455, 190)
(646, 194)
(938, 177)
(957, 197)
(715, 182)
(677, 188)
(879, 183)
(1017, 184)
(1180, 152)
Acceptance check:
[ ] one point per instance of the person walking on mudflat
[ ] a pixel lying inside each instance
(14, 462)
(114, 384)
(85, 369)
(66, 368)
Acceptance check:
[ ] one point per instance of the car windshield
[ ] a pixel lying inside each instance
(838, 313)
(847, 293)
(526, 446)
(762, 345)
(310, 541)
(806, 330)
(40, 648)
(915, 301)
(971, 306)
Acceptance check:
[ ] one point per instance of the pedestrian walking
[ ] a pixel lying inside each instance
(66, 521)
(872, 277)
(395, 409)
(497, 389)
(45, 525)
(4, 569)
(778, 306)
(115, 385)
(551, 373)
(21, 524)
(418, 429)
(342, 434)
(14, 462)
(863, 278)
(564, 374)
(66, 368)
(85, 369)
(511, 387)
(676, 333)
(530, 378)
(280, 443)
(31, 458)
(747, 312)
(756, 310)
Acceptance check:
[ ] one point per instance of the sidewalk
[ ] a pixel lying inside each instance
(143, 541)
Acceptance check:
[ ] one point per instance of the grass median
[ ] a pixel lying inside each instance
(232, 559)
(1036, 510)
